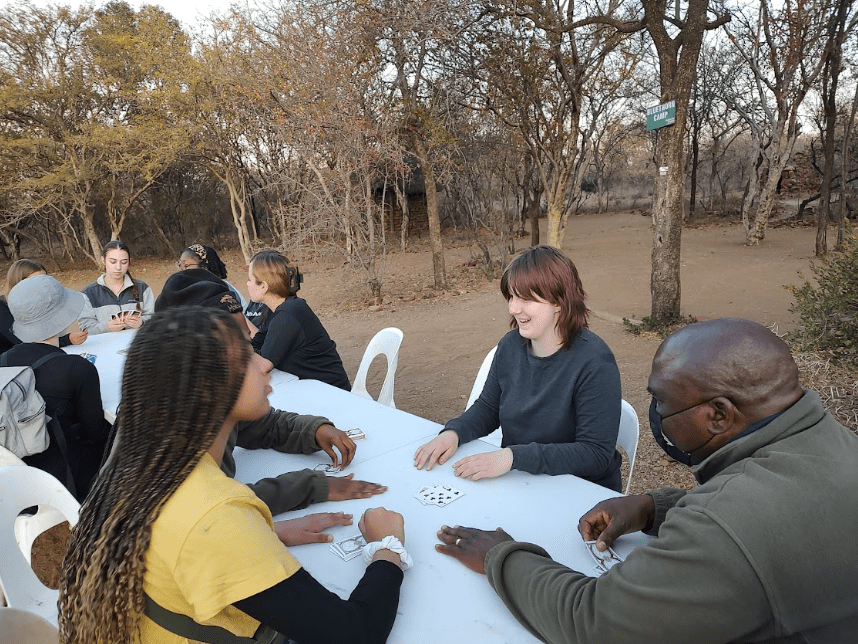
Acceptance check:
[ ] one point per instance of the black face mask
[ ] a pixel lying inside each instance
(669, 448)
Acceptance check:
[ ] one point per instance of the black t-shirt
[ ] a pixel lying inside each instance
(293, 338)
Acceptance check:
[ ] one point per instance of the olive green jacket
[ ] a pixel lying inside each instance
(762, 550)
(286, 432)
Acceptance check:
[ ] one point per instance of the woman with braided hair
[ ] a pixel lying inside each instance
(165, 536)
(199, 256)
(117, 301)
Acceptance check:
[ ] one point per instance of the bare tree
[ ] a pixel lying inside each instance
(782, 48)
(839, 27)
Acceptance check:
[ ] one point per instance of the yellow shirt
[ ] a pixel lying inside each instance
(212, 545)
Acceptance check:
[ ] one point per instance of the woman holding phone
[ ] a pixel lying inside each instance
(116, 300)
(167, 544)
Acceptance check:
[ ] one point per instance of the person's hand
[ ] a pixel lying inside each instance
(116, 324)
(341, 488)
(78, 337)
(308, 529)
(484, 466)
(470, 545)
(378, 523)
(439, 449)
(615, 517)
(328, 437)
(133, 320)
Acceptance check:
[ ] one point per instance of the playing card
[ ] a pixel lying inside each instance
(348, 549)
(355, 434)
(606, 560)
(327, 468)
(88, 356)
(447, 495)
(439, 495)
(419, 496)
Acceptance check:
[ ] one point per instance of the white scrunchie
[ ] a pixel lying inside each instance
(388, 543)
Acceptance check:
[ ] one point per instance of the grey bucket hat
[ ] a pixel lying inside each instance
(43, 308)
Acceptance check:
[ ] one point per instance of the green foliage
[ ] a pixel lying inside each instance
(828, 312)
(662, 329)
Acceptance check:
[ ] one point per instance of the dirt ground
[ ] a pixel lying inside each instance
(447, 334)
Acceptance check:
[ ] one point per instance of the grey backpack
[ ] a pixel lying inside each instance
(23, 424)
(25, 429)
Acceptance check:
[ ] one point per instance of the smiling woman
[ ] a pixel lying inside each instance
(553, 386)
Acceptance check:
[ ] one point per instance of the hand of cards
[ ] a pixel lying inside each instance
(327, 468)
(439, 495)
(123, 315)
(604, 560)
(348, 549)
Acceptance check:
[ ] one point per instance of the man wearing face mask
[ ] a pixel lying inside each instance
(762, 550)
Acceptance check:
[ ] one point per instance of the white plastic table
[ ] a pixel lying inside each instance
(441, 600)
(109, 350)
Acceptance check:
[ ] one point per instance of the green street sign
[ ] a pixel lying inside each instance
(660, 115)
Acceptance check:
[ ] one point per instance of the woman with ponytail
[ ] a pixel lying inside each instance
(117, 301)
(165, 536)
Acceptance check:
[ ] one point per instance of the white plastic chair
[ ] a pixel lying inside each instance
(8, 458)
(23, 487)
(628, 437)
(386, 341)
(22, 627)
(27, 528)
(479, 382)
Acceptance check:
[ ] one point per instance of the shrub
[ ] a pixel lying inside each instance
(828, 311)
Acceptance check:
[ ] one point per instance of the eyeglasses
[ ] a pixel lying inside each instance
(183, 266)
(682, 411)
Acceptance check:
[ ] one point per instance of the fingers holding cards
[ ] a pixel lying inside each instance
(605, 560)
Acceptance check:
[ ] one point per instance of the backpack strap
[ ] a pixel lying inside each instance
(184, 626)
(55, 428)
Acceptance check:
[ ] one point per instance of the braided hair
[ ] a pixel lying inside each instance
(115, 244)
(209, 258)
(183, 374)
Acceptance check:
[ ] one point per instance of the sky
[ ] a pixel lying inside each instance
(186, 11)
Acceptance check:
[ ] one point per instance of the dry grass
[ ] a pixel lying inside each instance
(837, 387)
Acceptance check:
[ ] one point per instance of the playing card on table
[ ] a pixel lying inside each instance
(355, 434)
(439, 495)
(327, 468)
(348, 549)
(88, 356)
(604, 560)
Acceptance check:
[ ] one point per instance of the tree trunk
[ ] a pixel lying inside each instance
(534, 218)
(238, 207)
(695, 160)
(92, 236)
(830, 78)
(668, 197)
(435, 242)
(402, 198)
(782, 149)
(558, 211)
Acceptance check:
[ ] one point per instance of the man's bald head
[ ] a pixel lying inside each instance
(739, 359)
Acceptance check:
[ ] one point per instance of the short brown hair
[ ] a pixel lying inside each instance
(544, 272)
(271, 266)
